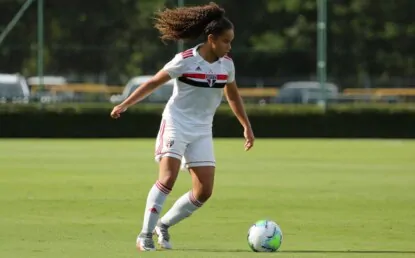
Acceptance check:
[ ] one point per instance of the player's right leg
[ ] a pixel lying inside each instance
(201, 164)
(169, 151)
(169, 168)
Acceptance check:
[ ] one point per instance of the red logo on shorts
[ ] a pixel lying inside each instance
(154, 210)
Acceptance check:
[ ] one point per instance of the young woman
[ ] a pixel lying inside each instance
(201, 75)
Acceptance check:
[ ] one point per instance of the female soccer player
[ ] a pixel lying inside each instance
(201, 75)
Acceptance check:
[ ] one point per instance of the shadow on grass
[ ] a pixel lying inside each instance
(213, 250)
(350, 251)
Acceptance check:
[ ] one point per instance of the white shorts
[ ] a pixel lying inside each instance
(193, 147)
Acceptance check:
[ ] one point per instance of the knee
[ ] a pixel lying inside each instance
(168, 180)
(203, 194)
(168, 171)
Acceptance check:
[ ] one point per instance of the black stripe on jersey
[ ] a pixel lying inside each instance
(189, 81)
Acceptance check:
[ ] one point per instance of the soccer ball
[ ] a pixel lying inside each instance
(265, 236)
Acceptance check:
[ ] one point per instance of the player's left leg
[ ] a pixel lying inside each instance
(201, 165)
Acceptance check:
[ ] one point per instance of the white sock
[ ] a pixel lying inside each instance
(155, 200)
(181, 209)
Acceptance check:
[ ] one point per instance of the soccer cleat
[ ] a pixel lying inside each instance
(145, 242)
(162, 232)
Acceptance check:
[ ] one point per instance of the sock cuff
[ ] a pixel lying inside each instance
(164, 189)
(194, 201)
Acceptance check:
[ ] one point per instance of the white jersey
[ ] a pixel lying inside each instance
(198, 88)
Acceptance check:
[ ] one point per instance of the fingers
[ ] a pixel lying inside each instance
(249, 138)
(249, 143)
(248, 146)
(115, 113)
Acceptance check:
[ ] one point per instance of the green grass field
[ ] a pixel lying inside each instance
(332, 198)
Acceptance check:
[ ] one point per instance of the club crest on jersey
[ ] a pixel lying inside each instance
(211, 79)
(169, 143)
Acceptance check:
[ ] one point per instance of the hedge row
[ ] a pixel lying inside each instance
(92, 120)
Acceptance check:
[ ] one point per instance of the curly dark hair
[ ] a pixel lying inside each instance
(189, 23)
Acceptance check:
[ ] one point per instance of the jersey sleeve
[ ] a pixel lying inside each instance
(231, 72)
(176, 67)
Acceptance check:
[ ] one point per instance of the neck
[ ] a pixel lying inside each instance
(207, 54)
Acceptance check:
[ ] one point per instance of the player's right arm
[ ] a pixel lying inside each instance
(171, 70)
(141, 92)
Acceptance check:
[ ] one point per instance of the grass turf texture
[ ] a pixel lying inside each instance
(332, 198)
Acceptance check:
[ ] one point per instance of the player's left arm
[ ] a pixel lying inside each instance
(237, 106)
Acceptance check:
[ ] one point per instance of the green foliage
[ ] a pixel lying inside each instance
(117, 38)
(86, 120)
(80, 108)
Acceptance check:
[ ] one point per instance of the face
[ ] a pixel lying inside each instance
(221, 44)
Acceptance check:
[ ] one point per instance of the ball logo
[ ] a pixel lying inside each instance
(211, 79)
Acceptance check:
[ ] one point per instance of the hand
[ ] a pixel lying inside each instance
(117, 110)
(249, 138)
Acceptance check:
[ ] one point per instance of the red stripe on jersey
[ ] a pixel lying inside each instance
(187, 53)
(228, 57)
(187, 56)
(203, 76)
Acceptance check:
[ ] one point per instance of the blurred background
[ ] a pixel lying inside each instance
(89, 53)
(286, 52)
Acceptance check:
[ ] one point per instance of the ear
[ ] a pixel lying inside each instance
(210, 38)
